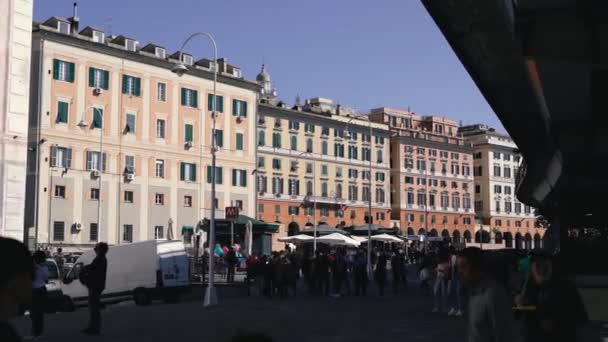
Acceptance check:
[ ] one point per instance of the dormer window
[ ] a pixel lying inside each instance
(63, 27)
(187, 59)
(160, 52)
(98, 37)
(131, 44)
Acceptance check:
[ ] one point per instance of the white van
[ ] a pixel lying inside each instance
(142, 271)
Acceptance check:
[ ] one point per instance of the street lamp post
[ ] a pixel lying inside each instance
(369, 222)
(180, 69)
(83, 124)
(314, 199)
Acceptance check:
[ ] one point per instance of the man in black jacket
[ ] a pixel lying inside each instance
(95, 279)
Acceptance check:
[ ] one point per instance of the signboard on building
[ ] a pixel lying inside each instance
(232, 212)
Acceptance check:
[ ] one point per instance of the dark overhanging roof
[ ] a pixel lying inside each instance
(138, 57)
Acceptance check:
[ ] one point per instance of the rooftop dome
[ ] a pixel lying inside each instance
(263, 76)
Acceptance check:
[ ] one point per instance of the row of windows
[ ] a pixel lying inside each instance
(294, 166)
(62, 157)
(59, 232)
(510, 208)
(505, 156)
(131, 127)
(498, 171)
(351, 135)
(412, 218)
(421, 165)
(433, 153)
(434, 182)
(339, 149)
(293, 188)
(131, 85)
(444, 197)
(309, 211)
(128, 197)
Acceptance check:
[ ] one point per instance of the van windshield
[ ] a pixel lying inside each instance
(53, 271)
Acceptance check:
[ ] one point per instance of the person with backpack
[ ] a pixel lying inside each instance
(93, 276)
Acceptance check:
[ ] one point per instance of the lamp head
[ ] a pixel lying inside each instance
(179, 69)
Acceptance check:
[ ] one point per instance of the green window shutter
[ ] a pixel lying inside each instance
(220, 172)
(91, 77)
(106, 80)
(210, 102)
(68, 157)
(188, 133)
(235, 103)
(183, 96)
(70, 72)
(124, 84)
(194, 98)
(182, 171)
(209, 174)
(55, 69)
(219, 137)
(239, 141)
(103, 162)
(97, 118)
(193, 170)
(244, 109)
(220, 105)
(53, 155)
(137, 86)
(62, 112)
(233, 177)
(244, 179)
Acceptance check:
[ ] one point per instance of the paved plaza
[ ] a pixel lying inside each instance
(404, 317)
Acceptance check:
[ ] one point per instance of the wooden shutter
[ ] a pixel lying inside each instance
(220, 105)
(91, 77)
(219, 137)
(239, 141)
(183, 96)
(137, 86)
(194, 98)
(53, 156)
(193, 172)
(103, 162)
(68, 158)
(244, 109)
(70, 72)
(210, 102)
(124, 84)
(182, 171)
(56, 69)
(219, 172)
(106, 80)
(209, 175)
(234, 176)
(235, 103)
(244, 178)
(188, 133)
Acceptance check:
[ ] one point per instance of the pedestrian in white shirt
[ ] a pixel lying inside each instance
(41, 277)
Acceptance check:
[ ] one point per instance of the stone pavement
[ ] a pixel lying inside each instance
(404, 317)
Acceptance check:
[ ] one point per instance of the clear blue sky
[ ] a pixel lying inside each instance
(362, 53)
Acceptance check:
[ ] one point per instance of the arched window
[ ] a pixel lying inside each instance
(308, 188)
(410, 197)
(456, 201)
(276, 140)
(324, 148)
(324, 189)
(339, 190)
(309, 145)
(294, 142)
(466, 201)
(445, 200)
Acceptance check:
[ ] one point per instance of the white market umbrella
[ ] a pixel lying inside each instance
(361, 239)
(296, 238)
(338, 239)
(248, 237)
(386, 238)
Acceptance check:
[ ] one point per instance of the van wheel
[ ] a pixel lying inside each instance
(68, 304)
(141, 297)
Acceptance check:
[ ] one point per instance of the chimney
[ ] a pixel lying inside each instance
(222, 64)
(338, 109)
(74, 20)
